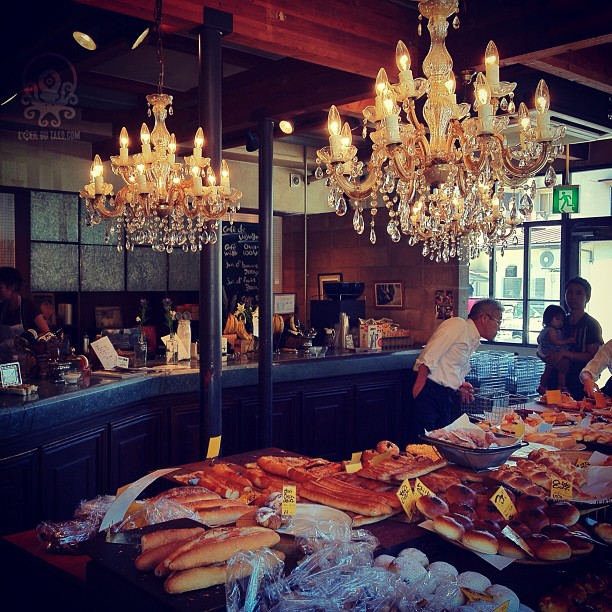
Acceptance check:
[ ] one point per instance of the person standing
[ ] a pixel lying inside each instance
(443, 364)
(17, 314)
(591, 371)
(588, 335)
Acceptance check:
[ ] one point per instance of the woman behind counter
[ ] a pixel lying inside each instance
(17, 314)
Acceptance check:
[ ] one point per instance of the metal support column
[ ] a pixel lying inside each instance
(266, 272)
(216, 24)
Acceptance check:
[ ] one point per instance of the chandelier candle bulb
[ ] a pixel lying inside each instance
(145, 139)
(402, 60)
(198, 143)
(172, 149)
(542, 103)
(225, 178)
(334, 128)
(123, 146)
(492, 64)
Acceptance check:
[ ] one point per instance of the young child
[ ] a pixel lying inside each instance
(551, 339)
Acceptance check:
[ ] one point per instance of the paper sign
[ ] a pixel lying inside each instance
(382, 457)
(516, 538)
(183, 353)
(356, 457)
(420, 489)
(472, 595)
(553, 396)
(582, 463)
(585, 422)
(289, 500)
(351, 468)
(545, 427)
(560, 488)
(123, 362)
(549, 417)
(214, 447)
(503, 607)
(600, 400)
(519, 430)
(105, 352)
(248, 497)
(501, 500)
(407, 499)
(118, 508)
(10, 374)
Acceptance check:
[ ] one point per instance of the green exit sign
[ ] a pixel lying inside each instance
(566, 199)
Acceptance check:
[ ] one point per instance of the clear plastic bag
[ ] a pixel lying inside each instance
(151, 513)
(65, 536)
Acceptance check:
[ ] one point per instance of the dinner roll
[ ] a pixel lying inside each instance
(463, 520)
(473, 580)
(553, 550)
(488, 511)
(442, 569)
(507, 548)
(460, 494)
(418, 555)
(407, 569)
(383, 561)
(578, 545)
(384, 446)
(480, 541)
(463, 509)
(563, 513)
(500, 593)
(603, 531)
(530, 502)
(448, 527)
(519, 528)
(555, 531)
(534, 519)
(486, 525)
(431, 506)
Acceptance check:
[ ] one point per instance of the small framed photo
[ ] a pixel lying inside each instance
(46, 301)
(108, 317)
(389, 294)
(284, 303)
(325, 278)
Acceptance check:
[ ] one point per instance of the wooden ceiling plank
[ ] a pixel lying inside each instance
(579, 73)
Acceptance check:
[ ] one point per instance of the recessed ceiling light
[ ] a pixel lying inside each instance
(86, 41)
(286, 126)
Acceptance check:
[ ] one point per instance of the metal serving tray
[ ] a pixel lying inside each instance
(477, 458)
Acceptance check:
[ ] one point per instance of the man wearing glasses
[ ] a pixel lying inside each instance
(443, 364)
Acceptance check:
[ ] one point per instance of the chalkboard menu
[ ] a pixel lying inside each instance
(240, 262)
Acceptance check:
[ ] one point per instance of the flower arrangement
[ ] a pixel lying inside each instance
(144, 311)
(169, 314)
(244, 312)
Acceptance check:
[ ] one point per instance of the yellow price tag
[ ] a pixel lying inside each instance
(503, 607)
(501, 500)
(407, 499)
(214, 447)
(472, 595)
(560, 488)
(553, 396)
(519, 429)
(600, 400)
(549, 417)
(289, 500)
(248, 497)
(356, 457)
(582, 463)
(382, 457)
(351, 468)
(420, 489)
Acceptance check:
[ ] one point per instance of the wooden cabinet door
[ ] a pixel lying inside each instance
(327, 423)
(20, 507)
(184, 433)
(72, 469)
(137, 447)
(378, 406)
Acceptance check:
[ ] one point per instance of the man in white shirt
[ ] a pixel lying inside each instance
(442, 365)
(591, 371)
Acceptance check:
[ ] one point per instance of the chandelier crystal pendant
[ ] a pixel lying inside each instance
(164, 203)
(443, 180)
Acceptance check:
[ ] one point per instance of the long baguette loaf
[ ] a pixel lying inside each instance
(387, 497)
(186, 494)
(210, 575)
(314, 492)
(221, 547)
(146, 561)
(352, 494)
(165, 536)
(223, 514)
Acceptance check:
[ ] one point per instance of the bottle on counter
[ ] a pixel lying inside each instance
(85, 344)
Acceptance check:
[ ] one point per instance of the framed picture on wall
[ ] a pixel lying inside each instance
(389, 294)
(46, 301)
(108, 317)
(284, 303)
(326, 278)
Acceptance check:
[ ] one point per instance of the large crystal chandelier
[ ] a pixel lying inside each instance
(445, 185)
(164, 202)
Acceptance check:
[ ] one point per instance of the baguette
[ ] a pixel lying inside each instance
(318, 493)
(223, 514)
(182, 495)
(165, 536)
(220, 547)
(346, 488)
(147, 561)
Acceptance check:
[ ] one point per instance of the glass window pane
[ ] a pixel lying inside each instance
(101, 268)
(54, 216)
(96, 234)
(7, 229)
(55, 267)
(147, 270)
(184, 271)
(595, 266)
(594, 193)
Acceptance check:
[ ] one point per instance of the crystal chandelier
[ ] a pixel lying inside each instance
(445, 183)
(164, 203)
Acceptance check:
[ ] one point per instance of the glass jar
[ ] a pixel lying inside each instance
(172, 350)
(140, 352)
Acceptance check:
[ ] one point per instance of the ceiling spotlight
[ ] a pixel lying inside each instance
(85, 40)
(252, 141)
(286, 126)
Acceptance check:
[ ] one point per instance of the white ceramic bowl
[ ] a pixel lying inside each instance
(72, 378)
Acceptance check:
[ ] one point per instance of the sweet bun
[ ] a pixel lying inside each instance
(383, 561)
(463, 509)
(486, 510)
(431, 506)
(418, 555)
(553, 550)
(442, 569)
(578, 545)
(554, 603)
(603, 531)
(563, 513)
(519, 528)
(460, 494)
(473, 580)
(534, 519)
(448, 527)
(530, 502)
(480, 541)
(500, 594)
(535, 540)
(384, 446)
(555, 531)
(486, 525)
(463, 520)
(407, 569)
(508, 548)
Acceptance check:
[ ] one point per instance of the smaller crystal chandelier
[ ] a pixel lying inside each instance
(164, 203)
(442, 180)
